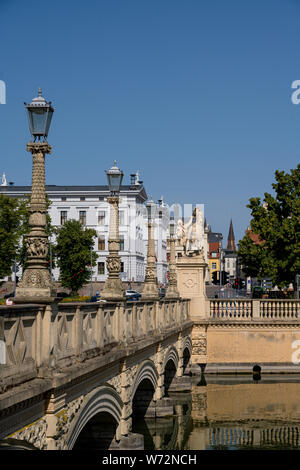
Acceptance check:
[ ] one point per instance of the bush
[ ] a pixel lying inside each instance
(77, 298)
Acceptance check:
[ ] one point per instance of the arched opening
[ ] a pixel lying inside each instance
(186, 361)
(98, 433)
(97, 421)
(143, 412)
(256, 372)
(170, 372)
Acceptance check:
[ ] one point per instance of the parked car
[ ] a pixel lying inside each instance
(133, 295)
(162, 292)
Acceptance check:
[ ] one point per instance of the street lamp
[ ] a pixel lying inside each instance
(36, 284)
(150, 290)
(39, 114)
(113, 287)
(172, 290)
(114, 178)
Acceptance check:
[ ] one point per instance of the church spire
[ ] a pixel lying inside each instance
(230, 240)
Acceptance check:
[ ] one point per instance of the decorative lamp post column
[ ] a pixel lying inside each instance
(172, 290)
(113, 287)
(150, 290)
(36, 284)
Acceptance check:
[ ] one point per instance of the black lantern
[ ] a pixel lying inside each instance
(39, 116)
(172, 227)
(114, 178)
(150, 206)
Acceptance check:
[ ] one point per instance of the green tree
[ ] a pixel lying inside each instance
(276, 221)
(74, 248)
(10, 232)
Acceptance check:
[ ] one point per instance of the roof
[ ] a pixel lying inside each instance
(214, 237)
(84, 189)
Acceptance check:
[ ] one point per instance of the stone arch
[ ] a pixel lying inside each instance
(104, 400)
(171, 355)
(187, 344)
(146, 370)
(170, 367)
(143, 396)
(186, 355)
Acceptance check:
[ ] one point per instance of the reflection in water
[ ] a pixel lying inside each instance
(231, 413)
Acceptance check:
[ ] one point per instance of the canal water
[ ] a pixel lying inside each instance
(230, 413)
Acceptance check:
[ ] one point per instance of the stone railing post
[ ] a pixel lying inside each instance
(45, 336)
(78, 331)
(191, 283)
(255, 308)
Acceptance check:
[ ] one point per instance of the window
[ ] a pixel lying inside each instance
(121, 217)
(121, 246)
(101, 268)
(101, 243)
(122, 267)
(213, 254)
(64, 198)
(82, 217)
(214, 266)
(101, 218)
(63, 217)
(82, 198)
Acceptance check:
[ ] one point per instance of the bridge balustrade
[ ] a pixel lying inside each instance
(230, 309)
(254, 309)
(59, 335)
(280, 309)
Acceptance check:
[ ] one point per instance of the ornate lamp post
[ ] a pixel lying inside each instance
(150, 290)
(36, 284)
(113, 288)
(172, 290)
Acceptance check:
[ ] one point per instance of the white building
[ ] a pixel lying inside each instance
(89, 205)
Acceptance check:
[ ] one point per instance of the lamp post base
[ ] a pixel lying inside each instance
(150, 292)
(172, 293)
(36, 286)
(113, 290)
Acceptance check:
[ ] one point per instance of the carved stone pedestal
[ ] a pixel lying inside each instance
(150, 290)
(36, 285)
(113, 287)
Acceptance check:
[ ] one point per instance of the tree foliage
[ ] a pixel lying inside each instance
(14, 226)
(13, 220)
(74, 249)
(276, 221)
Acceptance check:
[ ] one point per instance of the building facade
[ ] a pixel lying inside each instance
(89, 205)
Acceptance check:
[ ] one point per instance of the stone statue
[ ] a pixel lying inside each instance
(4, 182)
(190, 235)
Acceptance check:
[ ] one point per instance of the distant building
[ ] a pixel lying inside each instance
(230, 255)
(89, 205)
(214, 240)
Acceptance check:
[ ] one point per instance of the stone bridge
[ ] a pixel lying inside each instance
(70, 369)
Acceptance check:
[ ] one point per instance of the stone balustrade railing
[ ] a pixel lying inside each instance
(38, 338)
(253, 309)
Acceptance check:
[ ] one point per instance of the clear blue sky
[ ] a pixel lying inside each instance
(195, 94)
